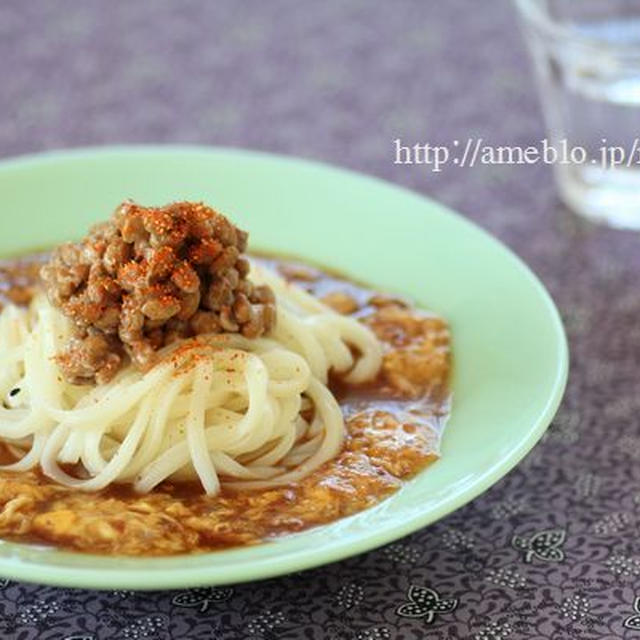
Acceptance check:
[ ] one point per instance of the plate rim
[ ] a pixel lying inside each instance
(28, 570)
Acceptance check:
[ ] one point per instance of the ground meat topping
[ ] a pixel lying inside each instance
(150, 276)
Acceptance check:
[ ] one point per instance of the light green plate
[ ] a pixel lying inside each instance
(510, 351)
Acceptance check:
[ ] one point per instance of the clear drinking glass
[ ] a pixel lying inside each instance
(587, 59)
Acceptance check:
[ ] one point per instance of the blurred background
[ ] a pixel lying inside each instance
(337, 83)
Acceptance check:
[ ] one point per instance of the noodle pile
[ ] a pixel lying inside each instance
(248, 413)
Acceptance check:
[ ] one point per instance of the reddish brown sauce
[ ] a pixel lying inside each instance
(393, 425)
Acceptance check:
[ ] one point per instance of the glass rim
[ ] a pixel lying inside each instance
(533, 12)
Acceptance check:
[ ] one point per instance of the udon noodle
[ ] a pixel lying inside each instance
(218, 408)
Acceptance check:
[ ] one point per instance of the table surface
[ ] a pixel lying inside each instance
(339, 81)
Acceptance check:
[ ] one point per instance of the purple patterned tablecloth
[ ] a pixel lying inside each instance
(552, 551)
